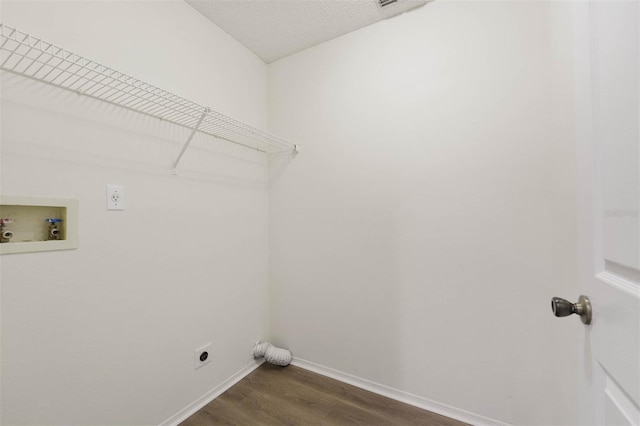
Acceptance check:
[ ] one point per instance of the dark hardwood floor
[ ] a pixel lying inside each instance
(274, 395)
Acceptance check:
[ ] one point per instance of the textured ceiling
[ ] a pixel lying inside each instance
(273, 29)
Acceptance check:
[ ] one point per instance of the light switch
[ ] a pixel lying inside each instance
(115, 197)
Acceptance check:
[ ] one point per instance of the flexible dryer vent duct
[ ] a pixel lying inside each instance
(271, 354)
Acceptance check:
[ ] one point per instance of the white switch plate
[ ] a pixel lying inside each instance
(115, 197)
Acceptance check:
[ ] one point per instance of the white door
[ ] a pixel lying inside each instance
(608, 121)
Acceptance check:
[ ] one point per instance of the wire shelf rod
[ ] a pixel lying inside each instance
(34, 58)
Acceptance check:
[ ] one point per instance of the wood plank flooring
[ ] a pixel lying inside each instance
(273, 395)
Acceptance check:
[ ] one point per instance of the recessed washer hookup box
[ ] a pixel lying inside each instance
(30, 224)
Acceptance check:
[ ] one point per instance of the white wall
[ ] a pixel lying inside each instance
(417, 239)
(414, 242)
(105, 334)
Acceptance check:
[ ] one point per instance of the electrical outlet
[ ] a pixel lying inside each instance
(202, 356)
(115, 197)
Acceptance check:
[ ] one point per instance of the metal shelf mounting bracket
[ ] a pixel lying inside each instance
(174, 170)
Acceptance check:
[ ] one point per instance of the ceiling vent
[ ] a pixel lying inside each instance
(384, 3)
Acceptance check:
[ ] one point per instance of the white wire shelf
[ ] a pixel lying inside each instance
(29, 56)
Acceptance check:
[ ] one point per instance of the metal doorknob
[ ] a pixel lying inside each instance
(563, 308)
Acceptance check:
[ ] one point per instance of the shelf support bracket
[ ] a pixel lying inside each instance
(174, 170)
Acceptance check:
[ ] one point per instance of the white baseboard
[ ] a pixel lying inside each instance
(190, 409)
(398, 395)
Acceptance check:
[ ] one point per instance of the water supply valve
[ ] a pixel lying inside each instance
(54, 231)
(5, 233)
